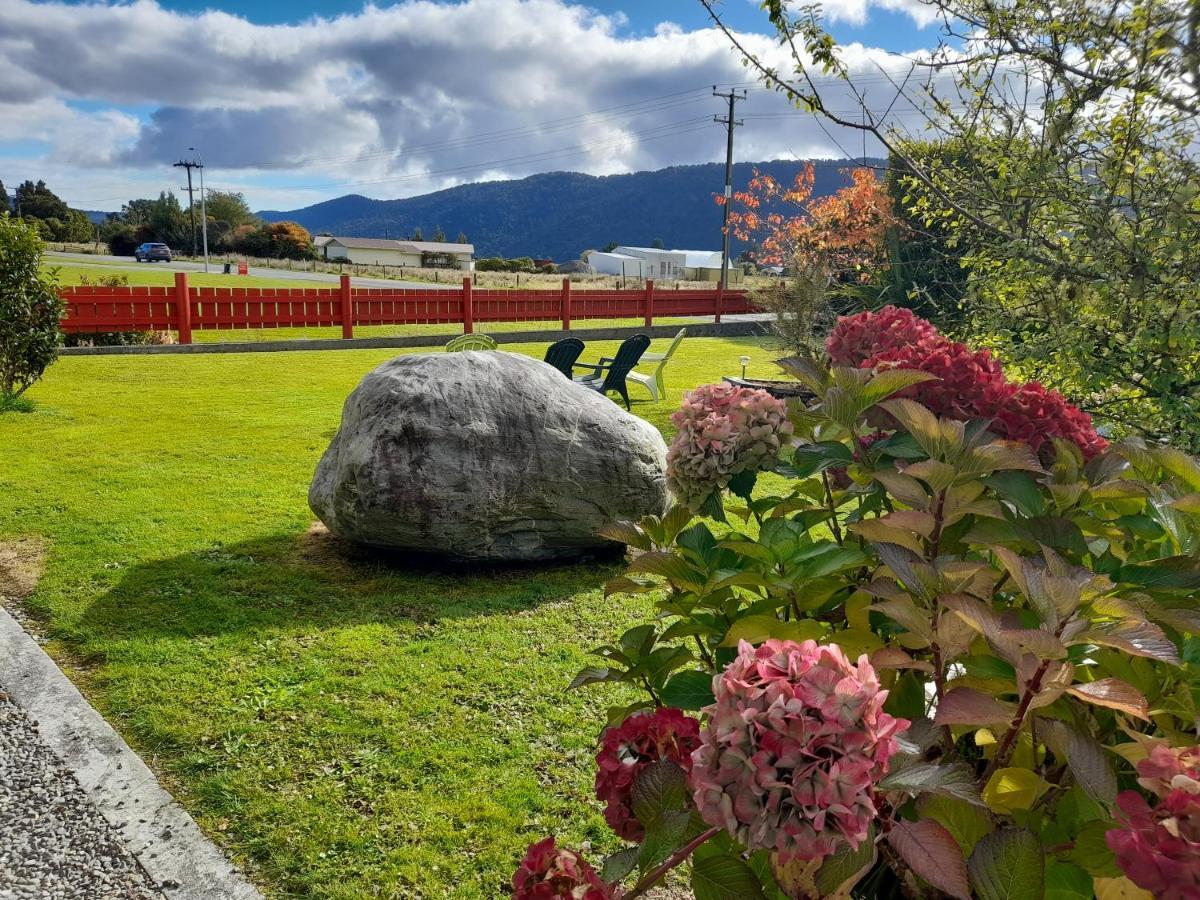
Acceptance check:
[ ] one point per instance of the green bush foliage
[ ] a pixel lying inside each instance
(30, 309)
(1032, 616)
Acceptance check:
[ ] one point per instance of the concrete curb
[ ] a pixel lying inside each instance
(752, 328)
(161, 835)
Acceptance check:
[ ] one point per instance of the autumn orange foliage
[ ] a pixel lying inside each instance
(841, 233)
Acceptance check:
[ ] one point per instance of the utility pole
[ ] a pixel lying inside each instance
(731, 123)
(203, 208)
(189, 165)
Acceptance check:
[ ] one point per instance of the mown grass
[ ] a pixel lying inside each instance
(346, 727)
(147, 274)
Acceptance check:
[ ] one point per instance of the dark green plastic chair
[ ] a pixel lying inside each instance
(562, 355)
(609, 374)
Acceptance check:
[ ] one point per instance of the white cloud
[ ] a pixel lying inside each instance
(857, 12)
(369, 102)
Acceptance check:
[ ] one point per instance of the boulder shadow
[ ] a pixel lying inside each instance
(314, 579)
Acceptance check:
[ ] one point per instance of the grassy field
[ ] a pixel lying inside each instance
(345, 727)
(147, 274)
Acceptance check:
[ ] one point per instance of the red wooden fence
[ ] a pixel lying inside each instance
(98, 308)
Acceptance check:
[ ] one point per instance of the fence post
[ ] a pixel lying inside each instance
(649, 302)
(347, 308)
(467, 309)
(566, 304)
(720, 298)
(183, 307)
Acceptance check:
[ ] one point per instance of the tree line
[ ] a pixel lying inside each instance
(232, 227)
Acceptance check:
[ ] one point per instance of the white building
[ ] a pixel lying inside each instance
(662, 265)
(385, 252)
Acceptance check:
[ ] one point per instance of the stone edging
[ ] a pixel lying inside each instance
(166, 841)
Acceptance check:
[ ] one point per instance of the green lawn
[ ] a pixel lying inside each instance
(146, 274)
(346, 728)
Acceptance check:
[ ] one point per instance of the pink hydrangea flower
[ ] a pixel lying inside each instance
(1158, 848)
(551, 873)
(971, 383)
(642, 739)
(722, 431)
(794, 745)
(1170, 768)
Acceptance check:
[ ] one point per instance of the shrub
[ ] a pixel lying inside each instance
(970, 383)
(30, 309)
(931, 678)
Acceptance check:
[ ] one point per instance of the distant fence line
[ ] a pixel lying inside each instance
(183, 309)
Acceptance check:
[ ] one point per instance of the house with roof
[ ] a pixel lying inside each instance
(388, 252)
(662, 265)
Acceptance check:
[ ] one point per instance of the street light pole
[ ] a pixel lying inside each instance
(203, 207)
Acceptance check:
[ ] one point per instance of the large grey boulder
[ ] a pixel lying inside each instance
(485, 455)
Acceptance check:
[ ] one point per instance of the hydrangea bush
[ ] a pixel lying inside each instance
(948, 648)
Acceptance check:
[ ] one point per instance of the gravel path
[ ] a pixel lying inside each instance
(54, 844)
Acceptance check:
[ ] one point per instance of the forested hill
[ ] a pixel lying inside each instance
(557, 215)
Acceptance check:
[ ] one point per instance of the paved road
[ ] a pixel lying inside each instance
(217, 267)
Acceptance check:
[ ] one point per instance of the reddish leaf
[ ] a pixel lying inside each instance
(1115, 694)
(933, 854)
(1138, 638)
(967, 706)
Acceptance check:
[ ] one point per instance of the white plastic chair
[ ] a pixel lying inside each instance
(654, 382)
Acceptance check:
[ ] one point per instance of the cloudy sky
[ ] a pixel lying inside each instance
(299, 101)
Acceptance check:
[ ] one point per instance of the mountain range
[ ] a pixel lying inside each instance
(558, 215)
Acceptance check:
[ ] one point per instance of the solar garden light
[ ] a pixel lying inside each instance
(745, 361)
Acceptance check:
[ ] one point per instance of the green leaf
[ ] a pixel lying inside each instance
(1091, 851)
(1086, 757)
(1055, 532)
(1067, 882)
(668, 566)
(742, 484)
(965, 822)
(1008, 865)
(664, 836)
(1013, 788)
(725, 878)
(933, 854)
(593, 675)
(689, 690)
(1172, 573)
(845, 868)
(1020, 489)
(907, 698)
(919, 422)
(756, 629)
(619, 864)
(626, 533)
(809, 459)
(660, 788)
(889, 382)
